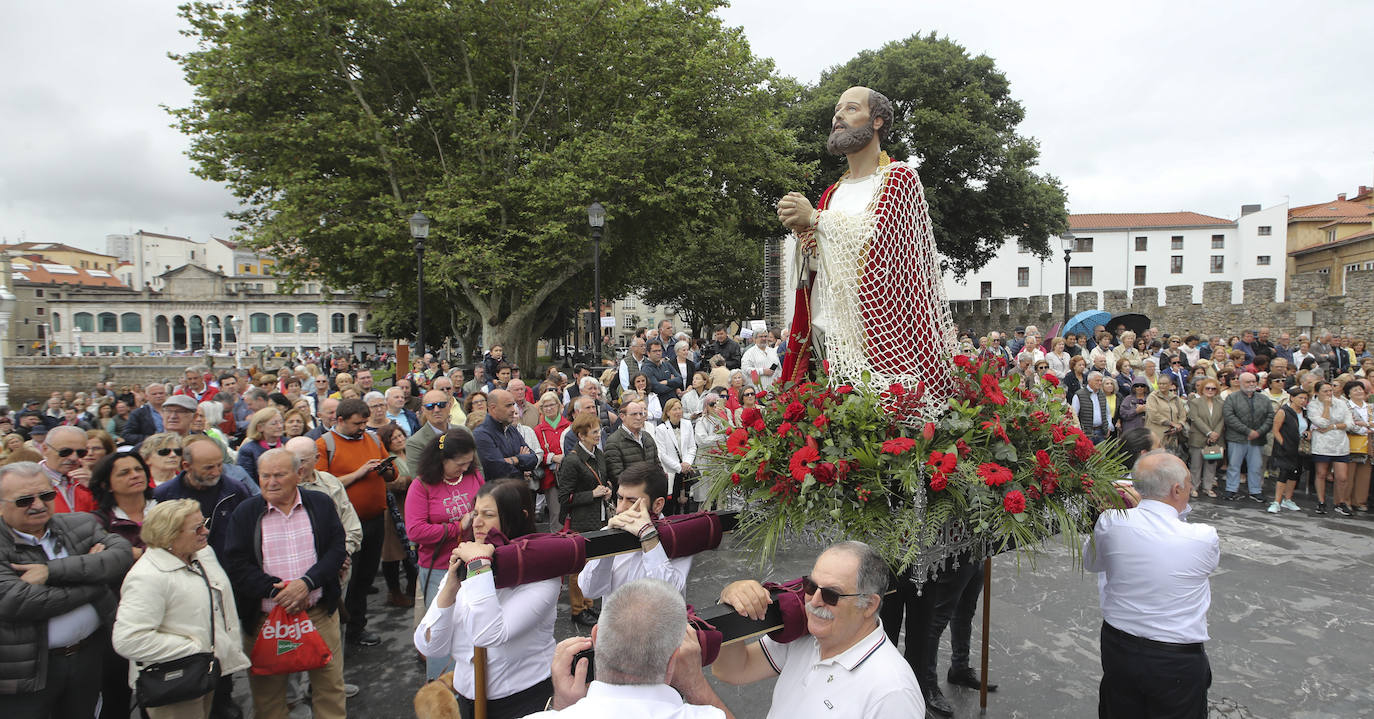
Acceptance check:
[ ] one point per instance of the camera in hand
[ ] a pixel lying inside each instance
(590, 654)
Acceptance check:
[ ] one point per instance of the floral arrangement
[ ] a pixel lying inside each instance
(1004, 468)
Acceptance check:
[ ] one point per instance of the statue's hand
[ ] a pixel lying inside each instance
(795, 212)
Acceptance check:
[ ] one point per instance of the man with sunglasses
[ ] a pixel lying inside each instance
(63, 451)
(435, 409)
(845, 666)
(56, 571)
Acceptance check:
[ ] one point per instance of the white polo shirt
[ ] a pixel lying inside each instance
(870, 679)
(609, 700)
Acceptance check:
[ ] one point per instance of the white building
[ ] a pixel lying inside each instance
(1123, 251)
(145, 256)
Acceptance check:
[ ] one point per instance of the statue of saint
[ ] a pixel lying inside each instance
(869, 295)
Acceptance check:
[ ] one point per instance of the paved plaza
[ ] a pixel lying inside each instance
(1291, 622)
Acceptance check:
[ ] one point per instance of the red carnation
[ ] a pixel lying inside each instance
(928, 431)
(992, 391)
(994, 425)
(1033, 492)
(784, 428)
(1082, 448)
(753, 418)
(821, 421)
(898, 445)
(1042, 458)
(825, 473)
(799, 465)
(919, 392)
(993, 474)
(896, 389)
(1052, 379)
(843, 389)
(738, 442)
(962, 447)
(734, 477)
(962, 362)
(1014, 502)
(938, 481)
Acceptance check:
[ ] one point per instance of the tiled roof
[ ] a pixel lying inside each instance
(33, 269)
(41, 247)
(1143, 220)
(1332, 210)
(165, 237)
(1350, 221)
(1363, 236)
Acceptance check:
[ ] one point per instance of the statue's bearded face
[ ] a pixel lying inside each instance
(846, 139)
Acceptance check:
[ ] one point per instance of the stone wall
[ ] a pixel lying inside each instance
(1181, 312)
(36, 377)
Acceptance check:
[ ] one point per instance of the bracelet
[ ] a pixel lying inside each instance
(478, 566)
(649, 532)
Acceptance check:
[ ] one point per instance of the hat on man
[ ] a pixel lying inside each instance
(182, 401)
(38, 430)
(1020, 330)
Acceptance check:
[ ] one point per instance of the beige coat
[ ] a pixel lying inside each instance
(1204, 417)
(162, 612)
(1161, 411)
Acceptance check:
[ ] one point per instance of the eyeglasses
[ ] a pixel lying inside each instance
(27, 500)
(436, 405)
(169, 450)
(829, 596)
(69, 451)
(1175, 364)
(1042, 366)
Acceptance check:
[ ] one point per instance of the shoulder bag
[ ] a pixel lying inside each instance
(181, 679)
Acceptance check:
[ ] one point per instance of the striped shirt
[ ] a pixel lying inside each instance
(288, 547)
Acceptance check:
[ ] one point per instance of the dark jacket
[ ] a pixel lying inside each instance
(729, 349)
(140, 425)
(1246, 413)
(216, 504)
(622, 451)
(578, 475)
(73, 581)
(495, 442)
(249, 452)
(242, 559)
(664, 380)
(1286, 452)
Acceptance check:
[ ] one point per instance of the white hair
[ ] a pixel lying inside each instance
(642, 624)
(373, 396)
(213, 411)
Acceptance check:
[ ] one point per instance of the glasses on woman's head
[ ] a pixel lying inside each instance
(829, 596)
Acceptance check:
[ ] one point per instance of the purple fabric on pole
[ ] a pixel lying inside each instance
(792, 606)
(536, 557)
(708, 637)
(684, 535)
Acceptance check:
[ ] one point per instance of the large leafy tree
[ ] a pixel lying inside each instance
(956, 120)
(333, 120)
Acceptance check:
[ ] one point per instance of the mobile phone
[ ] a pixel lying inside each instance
(386, 463)
(590, 654)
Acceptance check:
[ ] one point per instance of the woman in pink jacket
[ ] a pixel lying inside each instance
(438, 509)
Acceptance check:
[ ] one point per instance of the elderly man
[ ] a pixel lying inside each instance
(1090, 406)
(396, 411)
(56, 574)
(864, 675)
(328, 412)
(177, 413)
(609, 418)
(193, 384)
(648, 662)
(1154, 594)
(310, 478)
(500, 446)
(202, 479)
(146, 420)
(760, 363)
(63, 450)
(630, 365)
(435, 413)
(287, 547)
(526, 412)
(1249, 418)
(478, 383)
(630, 444)
(456, 416)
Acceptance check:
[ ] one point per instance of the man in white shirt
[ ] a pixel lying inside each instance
(640, 497)
(648, 662)
(1154, 596)
(760, 363)
(846, 667)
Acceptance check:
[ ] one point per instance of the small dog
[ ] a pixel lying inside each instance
(435, 700)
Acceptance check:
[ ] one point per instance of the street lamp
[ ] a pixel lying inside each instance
(596, 217)
(1067, 240)
(419, 230)
(7, 302)
(237, 323)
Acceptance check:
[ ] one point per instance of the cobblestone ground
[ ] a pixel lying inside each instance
(1290, 621)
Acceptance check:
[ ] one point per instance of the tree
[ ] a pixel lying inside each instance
(727, 286)
(332, 120)
(956, 121)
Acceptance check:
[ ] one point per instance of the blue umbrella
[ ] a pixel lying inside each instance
(1083, 323)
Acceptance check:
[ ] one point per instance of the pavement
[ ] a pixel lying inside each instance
(1290, 621)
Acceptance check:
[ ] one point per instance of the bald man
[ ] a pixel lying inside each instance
(500, 445)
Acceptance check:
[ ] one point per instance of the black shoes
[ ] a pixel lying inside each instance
(585, 618)
(1321, 508)
(363, 638)
(1256, 498)
(1231, 497)
(936, 703)
(1344, 510)
(967, 677)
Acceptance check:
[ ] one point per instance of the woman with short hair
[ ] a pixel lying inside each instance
(549, 431)
(1331, 419)
(584, 494)
(265, 430)
(162, 453)
(1290, 429)
(1206, 427)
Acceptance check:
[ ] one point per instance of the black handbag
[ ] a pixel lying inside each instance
(179, 680)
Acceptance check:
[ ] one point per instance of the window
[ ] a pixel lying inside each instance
(1176, 242)
(985, 290)
(1353, 268)
(1324, 271)
(1083, 244)
(1218, 264)
(1331, 235)
(1176, 265)
(628, 303)
(107, 322)
(1218, 242)
(40, 311)
(259, 322)
(1369, 265)
(1262, 260)
(1081, 276)
(1140, 274)
(130, 322)
(38, 293)
(353, 323)
(310, 322)
(247, 269)
(283, 323)
(629, 322)
(162, 330)
(133, 349)
(1266, 230)
(56, 322)
(108, 350)
(1023, 277)
(83, 321)
(1141, 243)
(1022, 247)
(336, 322)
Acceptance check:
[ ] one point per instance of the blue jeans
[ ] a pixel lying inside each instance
(1253, 456)
(428, 580)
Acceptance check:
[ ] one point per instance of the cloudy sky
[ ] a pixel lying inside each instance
(1203, 107)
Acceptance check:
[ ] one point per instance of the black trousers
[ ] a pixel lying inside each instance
(1140, 681)
(917, 610)
(520, 704)
(955, 594)
(114, 686)
(72, 688)
(365, 563)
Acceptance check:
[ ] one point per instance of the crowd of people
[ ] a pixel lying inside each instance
(1253, 404)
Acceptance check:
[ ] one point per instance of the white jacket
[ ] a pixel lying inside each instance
(757, 360)
(162, 612)
(675, 447)
(1331, 443)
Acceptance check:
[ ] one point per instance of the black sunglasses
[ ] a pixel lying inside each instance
(69, 451)
(436, 405)
(169, 450)
(829, 596)
(27, 500)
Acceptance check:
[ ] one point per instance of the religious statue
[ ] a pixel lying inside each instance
(869, 294)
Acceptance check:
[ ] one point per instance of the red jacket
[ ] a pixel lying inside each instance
(550, 439)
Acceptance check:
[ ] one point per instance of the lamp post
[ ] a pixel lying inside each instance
(419, 230)
(7, 302)
(1067, 240)
(596, 217)
(237, 323)
(76, 341)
